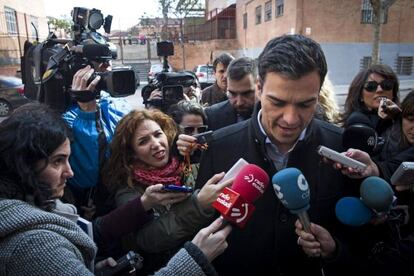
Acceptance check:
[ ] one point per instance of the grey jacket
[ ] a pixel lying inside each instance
(35, 242)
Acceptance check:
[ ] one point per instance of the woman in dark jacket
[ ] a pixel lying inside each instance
(364, 97)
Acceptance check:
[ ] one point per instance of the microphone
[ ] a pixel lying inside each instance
(362, 137)
(235, 203)
(352, 211)
(97, 52)
(292, 189)
(377, 194)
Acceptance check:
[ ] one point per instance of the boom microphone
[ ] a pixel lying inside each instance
(377, 194)
(352, 211)
(235, 203)
(292, 189)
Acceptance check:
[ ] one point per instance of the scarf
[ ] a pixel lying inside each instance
(169, 174)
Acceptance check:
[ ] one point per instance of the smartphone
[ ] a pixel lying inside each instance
(234, 170)
(342, 159)
(178, 189)
(404, 175)
(204, 137)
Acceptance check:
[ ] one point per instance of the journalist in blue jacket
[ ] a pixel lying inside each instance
(93, 124)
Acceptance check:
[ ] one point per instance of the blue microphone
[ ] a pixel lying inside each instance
(292, 189)
(377, 194)
(352, 211)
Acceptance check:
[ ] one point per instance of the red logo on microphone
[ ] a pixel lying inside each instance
(233, 207)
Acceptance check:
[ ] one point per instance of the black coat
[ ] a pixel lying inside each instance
(267, 245)
(220, 115)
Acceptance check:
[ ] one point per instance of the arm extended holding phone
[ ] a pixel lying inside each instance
(341, 159)
(186, 143)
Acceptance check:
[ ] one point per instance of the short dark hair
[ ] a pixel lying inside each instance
(294, 56)
(241, 67)
(353, 100)
(224, 59)
(31, 133)
(184, 107)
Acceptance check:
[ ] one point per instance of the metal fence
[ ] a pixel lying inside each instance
(220, 26)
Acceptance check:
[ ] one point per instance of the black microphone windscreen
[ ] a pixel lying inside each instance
(359, 136)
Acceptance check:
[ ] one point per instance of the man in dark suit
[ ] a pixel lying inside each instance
(241, 79)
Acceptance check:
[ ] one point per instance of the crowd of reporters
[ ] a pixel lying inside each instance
(273, 113)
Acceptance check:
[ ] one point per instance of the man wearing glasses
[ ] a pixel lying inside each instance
(241, 79)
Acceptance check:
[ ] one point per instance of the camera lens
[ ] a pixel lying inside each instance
(95, 20)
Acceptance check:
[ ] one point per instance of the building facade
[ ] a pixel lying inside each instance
(17, 18)
(341, 27)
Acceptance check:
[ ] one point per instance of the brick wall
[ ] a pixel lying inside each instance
(329, 21)
(199, 52)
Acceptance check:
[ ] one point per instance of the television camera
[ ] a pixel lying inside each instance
(48, 67)
(171, 84)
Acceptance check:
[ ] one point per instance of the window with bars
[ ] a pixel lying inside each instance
(268, 11)
(404, 65)
(365, 62)
(258, 14)
(245, 21)
(279, 8)
(367, 13)
(10, 20)
(34, 21)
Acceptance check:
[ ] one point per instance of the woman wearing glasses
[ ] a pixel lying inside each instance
(141, 156)
(370, 89)
(191, 120)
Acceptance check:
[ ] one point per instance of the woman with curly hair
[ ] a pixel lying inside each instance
(141, 157)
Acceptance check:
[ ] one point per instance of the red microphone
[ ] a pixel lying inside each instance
(235, 203)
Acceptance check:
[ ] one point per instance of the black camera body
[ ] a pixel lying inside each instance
(171, 84)
(48, 67)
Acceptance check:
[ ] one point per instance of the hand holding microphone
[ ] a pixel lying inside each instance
(292, 189)
(316, 243)
(211, 190)
(235, 203)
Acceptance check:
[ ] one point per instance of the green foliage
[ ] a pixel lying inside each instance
(64, 23)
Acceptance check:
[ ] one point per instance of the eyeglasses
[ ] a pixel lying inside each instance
(371, 86)
(189, 130)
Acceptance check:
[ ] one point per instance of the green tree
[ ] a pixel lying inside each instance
(63, 24)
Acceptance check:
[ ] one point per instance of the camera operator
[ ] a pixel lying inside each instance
(190, 93)
(93, 123)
